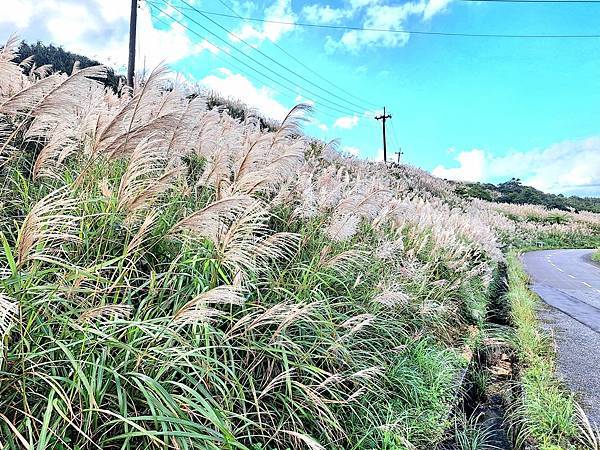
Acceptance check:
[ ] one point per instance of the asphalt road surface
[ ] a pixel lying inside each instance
(569, 282)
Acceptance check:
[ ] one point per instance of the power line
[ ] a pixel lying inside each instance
(314, 72)
(534, 1)
(416, 32)
(361, 108)
(326, 103)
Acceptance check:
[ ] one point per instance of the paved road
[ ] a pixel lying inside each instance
(569, 282)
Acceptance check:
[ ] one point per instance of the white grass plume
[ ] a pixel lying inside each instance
(9, 310)
(146, 177)
(197, 309)
(49, 225)
(210, 221)
(106, 313)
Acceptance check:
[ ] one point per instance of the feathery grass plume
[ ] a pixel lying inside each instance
(9, 310)
(30, 95)
(292, 122)
(388, 249)
(310, 442)
(63, 99)
(356, 324)
(138, 238)
(197, 309)
(211, 221)
(278, 246)
(145, 177)
(60, 144)
(342, 228)
(345, 262)
(392, 297)
(589, 435)
(10, 72)
(136, 119)
(106, 313)
(50, 224)
(7, 150)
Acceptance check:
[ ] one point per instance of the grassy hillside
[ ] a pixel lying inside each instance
(174, 277)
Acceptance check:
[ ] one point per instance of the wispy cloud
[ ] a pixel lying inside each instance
(281, 11)
(346, 122)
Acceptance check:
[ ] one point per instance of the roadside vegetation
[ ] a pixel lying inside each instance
(596, 256)
(175, 277)
(545, 413)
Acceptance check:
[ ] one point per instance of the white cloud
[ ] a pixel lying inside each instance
(279, 11)
(434, 7)
(377, 15)
(239, 87)
(570, 167)
(98, 29)
(471, 167)
(17, 13)
(346, 122)
(323, 127)
(325, 14)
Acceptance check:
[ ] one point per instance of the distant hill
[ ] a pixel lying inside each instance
(513, 191)
(63, 61)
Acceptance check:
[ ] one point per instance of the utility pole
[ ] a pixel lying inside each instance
(132, 33)
(383, 118)
(399, 153)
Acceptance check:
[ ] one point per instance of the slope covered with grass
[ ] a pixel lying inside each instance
(172, 277)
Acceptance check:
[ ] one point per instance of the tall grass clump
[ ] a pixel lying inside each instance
(176, 278)
(173, 277)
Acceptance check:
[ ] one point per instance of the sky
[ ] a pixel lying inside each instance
(465, 108)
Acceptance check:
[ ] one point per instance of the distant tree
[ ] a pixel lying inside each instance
(513, 191)
(63, 61)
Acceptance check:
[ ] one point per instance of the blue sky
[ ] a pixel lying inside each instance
(483, 109)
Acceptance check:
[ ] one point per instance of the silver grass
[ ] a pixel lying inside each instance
(310, 442)
(49, 225)
(106, 313)
(138, 238)
(145, 177)
(134, 120)
(9, 71)
(392, 298)
(291, 124)
(344, 262)
(9, 310)
(197, 309)
(211, 221)
(342, 228)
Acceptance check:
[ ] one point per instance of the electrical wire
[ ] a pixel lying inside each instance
(314, 72)
(252, 47)
(325, 103)
(534, 1)
(344, 109)
(418, 32)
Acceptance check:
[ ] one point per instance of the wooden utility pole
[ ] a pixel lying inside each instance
(132, 32)
(399, 153)
(383, 118)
